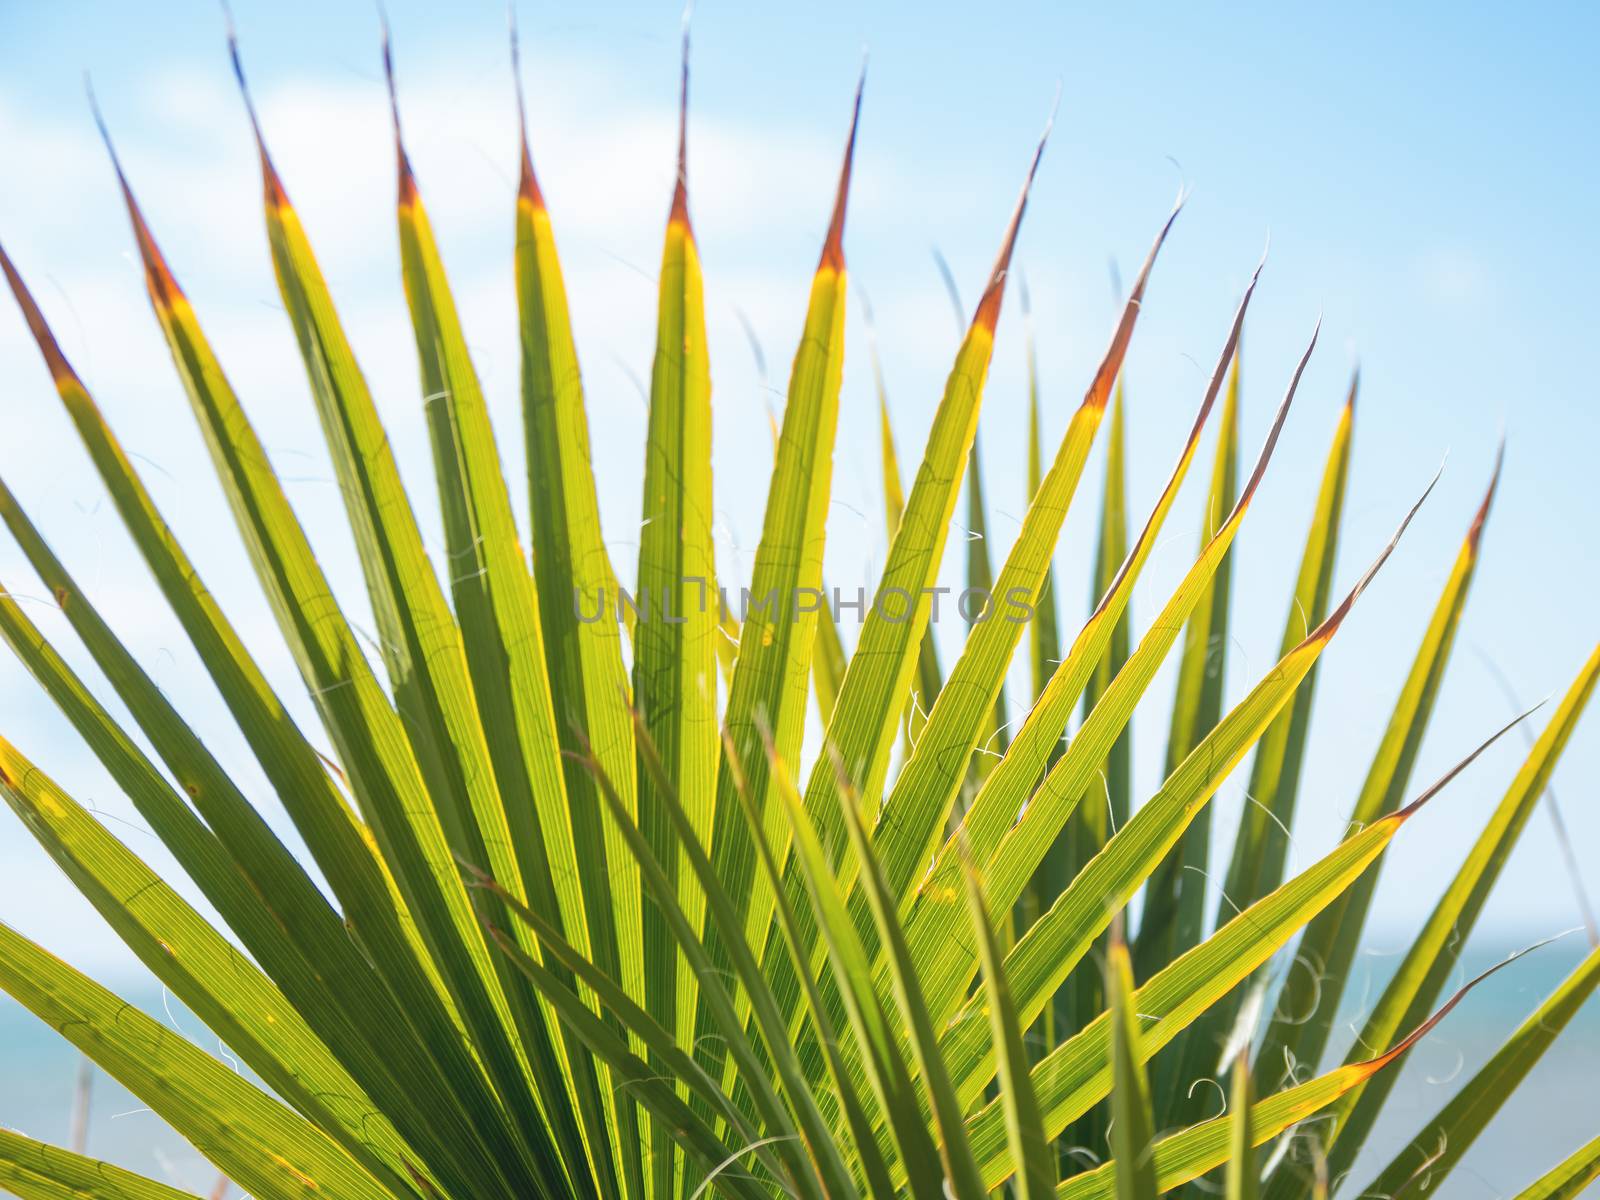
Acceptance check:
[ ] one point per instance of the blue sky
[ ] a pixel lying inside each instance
(1424, 175)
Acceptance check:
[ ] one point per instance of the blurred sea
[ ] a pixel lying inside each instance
(1556, 1109)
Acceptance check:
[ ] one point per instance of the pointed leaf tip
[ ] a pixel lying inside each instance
(1373, 1065)
(1439, 784)
(1099, 394)
(60, 369)
(528, 183)
(988, 313)
(276, 196)
(679, 214)
(833, 245)
(407, 180)
(164, 289)
(1331, 623)
(1481, 517)
(1277, 423)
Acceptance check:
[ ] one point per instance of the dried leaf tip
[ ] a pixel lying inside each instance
(1475, 533)
(1104, 382)
(833, 244)
(1331, 624)
(408, 181)
(1355, 387)
(1372, 1065)
(680, 189)
(60, 369)
(1439, 784)
(1142, 280)
(1277, 423)
(1230, 348)
(987, 315)
(271, 183)
(164, 289)
(528, 184)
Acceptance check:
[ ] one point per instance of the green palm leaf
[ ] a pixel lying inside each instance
(1261, 846)
(1132, 1117)
(1426, 1162)
(255, 1140)
(1173, 915)
(1308, 1000)
(37, 1171)
(1427, 965)
(570, 926)
(1243, 1183)
(776, 638)
(1025, 1133)
(1201, 1148)
(343, 847)
(1077, 1074)
(1569, 1178)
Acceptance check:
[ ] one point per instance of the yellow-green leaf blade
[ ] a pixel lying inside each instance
(776, 634)
(877, 1045)
(1427, 965)
(1132, 1118)
(269, 1150)
(1261, 844)
(1031, 1153)
(920, 801)
(37, 1171)
(203, 969)
(373, 745)
(1003, 793)
(928, 679)
(1567, 1179)
(1173, 912)
(1077, 1074)
(1200, 1148)
(1243, 1180)
(1106, 804)
(343, 847)
(1310, 998)
(246, 873)
(1013, 856)
(1422, 1167)
(674, 665)
(961, 1172)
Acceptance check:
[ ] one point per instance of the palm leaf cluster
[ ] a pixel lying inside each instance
(597, 923)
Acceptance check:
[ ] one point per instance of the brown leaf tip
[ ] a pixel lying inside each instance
(1105, 380)
(1481, 517)
(276, 197)
(1373, 1065)
(408, 180)
(988, 313)
(1325, 631)
(1260, 470)
(679, 214)
(528, 183)
(164, 289)
(1440, 783)
(60, 369)
(833, 245)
